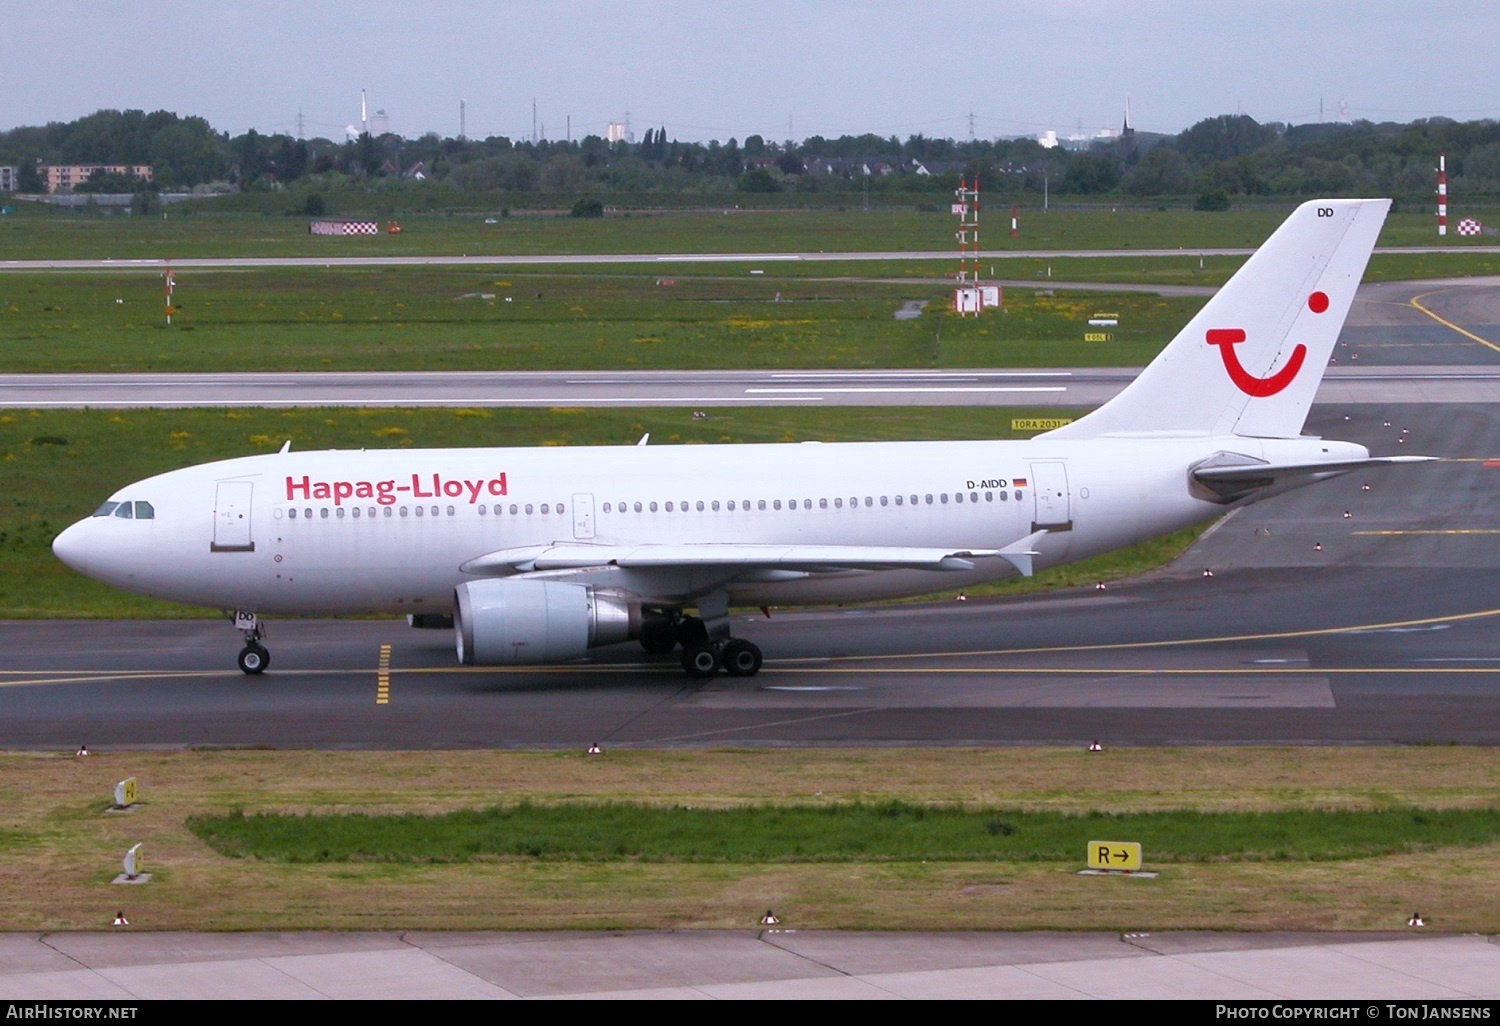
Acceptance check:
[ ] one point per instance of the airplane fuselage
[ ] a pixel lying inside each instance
(336, 532)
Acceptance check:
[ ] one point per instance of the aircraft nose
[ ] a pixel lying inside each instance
(72, 546)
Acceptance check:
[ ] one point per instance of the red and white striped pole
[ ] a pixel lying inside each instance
(1442, 194)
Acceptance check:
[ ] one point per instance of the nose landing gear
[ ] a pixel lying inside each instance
(254, 657)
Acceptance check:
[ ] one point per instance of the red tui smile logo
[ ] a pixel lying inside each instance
(1227, 338)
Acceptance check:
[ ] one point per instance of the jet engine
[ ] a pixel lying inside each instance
(507, 622)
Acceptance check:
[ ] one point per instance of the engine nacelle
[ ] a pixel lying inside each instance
(506, 622)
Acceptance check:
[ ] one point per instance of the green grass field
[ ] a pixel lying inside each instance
(1286, 864)
(892, 831)
(463, 319)
(31, 234)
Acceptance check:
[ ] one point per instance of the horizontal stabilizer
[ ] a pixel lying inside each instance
(806, 558)
(1235, 481)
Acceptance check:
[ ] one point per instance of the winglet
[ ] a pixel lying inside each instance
(1019, 554)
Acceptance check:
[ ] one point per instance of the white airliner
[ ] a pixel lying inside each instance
(537, 555)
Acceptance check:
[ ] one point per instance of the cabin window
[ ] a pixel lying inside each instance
(1018, 495)
(291, 514)
(106, 509)
(669, 507)
(823, 504)
(125, 511)
(699, 506)
(652, 507)
(899, 499)
(958, 496)
(388, 513)
(340, 514)
(638, 507)
(1005, 496)
(452, 512)
(529, 509)
(143, 510)
(419, 511)
(973, 496)
(514, 509)
(807, 504)
(355, 512)
(715, 505)
(545, 510)
(929, 499)
(839, 503)
(943, 497)
(482, 509)
(403, 511)
(323, 512)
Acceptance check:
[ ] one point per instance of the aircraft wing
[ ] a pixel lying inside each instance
(1231, 481)
(729, 556)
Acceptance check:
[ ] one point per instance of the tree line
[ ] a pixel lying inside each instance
(1229, 157)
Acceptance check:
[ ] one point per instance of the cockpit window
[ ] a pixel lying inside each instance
(137, 509)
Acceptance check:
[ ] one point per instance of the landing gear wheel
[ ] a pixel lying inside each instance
(741, 658)
(701, 661)
(659, 639)
(254, 659)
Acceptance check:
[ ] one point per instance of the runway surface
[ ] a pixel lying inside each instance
(1383, 626)
(576, 259)
(771, 964)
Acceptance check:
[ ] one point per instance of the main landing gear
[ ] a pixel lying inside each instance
(702, 656)
(254, 657)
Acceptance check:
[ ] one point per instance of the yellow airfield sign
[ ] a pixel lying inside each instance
(1121, 855)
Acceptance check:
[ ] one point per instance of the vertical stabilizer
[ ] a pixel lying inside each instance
(1250, 362)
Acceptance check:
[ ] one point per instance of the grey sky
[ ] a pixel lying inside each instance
(778, 68)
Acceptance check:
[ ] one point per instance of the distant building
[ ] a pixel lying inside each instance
(615, 132)
(7, 179)
(67, 177)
